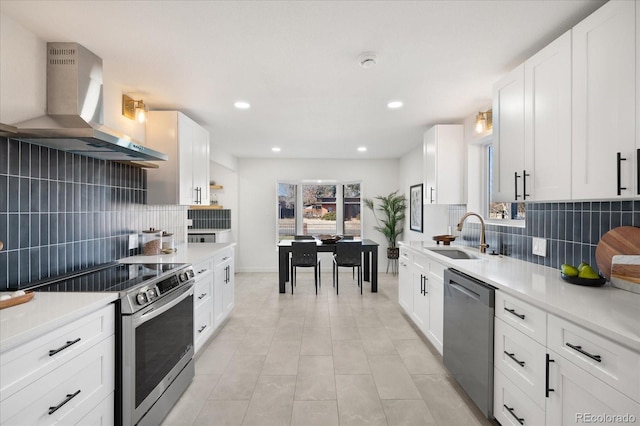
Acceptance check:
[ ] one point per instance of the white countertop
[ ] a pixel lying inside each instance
(611, 312)
(187, 253)
(44, 313)
(207, 230)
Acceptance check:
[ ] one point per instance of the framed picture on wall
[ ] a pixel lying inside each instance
(415, 208)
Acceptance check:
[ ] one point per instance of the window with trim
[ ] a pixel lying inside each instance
(318, 208)
(499, 211)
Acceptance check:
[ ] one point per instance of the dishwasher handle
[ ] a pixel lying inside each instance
(464, 290)
(471, 287)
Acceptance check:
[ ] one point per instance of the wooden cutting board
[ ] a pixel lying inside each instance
(623, 240)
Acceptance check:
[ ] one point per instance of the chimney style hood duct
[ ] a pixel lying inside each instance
(75, 113)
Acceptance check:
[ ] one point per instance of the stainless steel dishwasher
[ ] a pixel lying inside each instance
(468, 336)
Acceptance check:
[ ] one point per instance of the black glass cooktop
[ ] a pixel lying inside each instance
(114, 277)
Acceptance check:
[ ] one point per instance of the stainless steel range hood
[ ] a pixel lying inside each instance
(75, 113)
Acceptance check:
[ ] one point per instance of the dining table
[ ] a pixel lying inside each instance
(369, 269)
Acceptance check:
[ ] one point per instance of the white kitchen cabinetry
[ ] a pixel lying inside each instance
(532, 127)
(224, 285)
(604, 102)
(508, 135)
(421, 294)
(405, 280)
(184, 178)
(65, 376)
(444, 164)
(547, 123)
(203, 303)
(551, 371)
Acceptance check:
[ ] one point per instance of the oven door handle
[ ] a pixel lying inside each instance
(163, 306)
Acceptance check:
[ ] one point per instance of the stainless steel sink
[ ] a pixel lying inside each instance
(453, 253)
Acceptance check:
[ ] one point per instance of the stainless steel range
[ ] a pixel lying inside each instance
(155, 333)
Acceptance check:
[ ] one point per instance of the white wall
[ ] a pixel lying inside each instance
(257, 180)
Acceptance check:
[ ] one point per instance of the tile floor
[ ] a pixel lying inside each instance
(303, 359)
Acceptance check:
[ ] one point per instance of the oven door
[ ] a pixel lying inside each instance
(157, 345)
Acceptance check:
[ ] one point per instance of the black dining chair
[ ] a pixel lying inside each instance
(348, 254)
(304, 255)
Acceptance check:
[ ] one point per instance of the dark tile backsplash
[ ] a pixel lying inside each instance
(572, 230)
(210, 219)
(60, 212)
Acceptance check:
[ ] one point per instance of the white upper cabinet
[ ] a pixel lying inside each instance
(547, 123)
(604, 104)
(184, 178)
(532, 128)
(508, 136)
(444, 164)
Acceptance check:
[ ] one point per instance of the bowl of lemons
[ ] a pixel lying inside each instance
(584, 274)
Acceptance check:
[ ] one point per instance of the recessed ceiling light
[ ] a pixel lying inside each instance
(395, 104)
(275, 149)
(242, 105)
(362, 149)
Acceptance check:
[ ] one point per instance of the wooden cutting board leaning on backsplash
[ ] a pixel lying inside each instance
(620, 241)
(625, 272)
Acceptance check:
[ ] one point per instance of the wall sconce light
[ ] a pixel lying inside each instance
(134, 110)
(484, 121)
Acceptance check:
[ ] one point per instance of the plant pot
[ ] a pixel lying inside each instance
(393, 252)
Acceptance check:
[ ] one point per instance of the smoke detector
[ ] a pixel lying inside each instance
(367, 59)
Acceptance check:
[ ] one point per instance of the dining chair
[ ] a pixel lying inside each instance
(348, 254)
(304, 255)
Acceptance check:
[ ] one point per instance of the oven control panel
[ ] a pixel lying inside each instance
(147, 294)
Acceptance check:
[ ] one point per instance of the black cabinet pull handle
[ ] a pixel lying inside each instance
(67, 399)
(515, 183)
(202, 296)
(511, 411)
(638, 171)
(421, 284)
(524, 185)
(52, 352)
(583, 352)
(513, 311)
(547, 389)
(512, 356)
(620, 160)
(201, 329)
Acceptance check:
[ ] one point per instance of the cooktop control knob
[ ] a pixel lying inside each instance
(182, 277)
(141, 298)
(152, 294)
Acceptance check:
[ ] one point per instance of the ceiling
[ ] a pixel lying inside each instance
(296, 63)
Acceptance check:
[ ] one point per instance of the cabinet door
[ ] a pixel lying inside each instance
(508, 136)
(444, 164)
(405, 281)
(547, 124)
(436, 311)
(421, 296)
(429, 153)
(604, 100)
(579, 398)
(218, 294)
(228, 293)
(186, 167)
(200, 165)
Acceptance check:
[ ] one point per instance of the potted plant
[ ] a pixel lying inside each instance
(391, 208)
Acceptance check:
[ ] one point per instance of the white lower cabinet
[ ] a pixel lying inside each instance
(214, 295)
(579, 398)
(562, 375)
(421, 294)
(62, 384)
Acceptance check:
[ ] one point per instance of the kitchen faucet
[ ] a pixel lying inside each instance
(483, 244)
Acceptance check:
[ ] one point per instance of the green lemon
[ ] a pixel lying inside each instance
(588, 273)
(582, 265)
(569, 270)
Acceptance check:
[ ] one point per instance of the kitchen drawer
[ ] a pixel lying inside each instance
(521, 359)
(522, 316)
(223, 255)
(90, 376)
(406, 255)
(202, 325)
(203, 290)
(29, 362)
(203, 266)
(507, 396)
(103, 414)
(611, 362)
